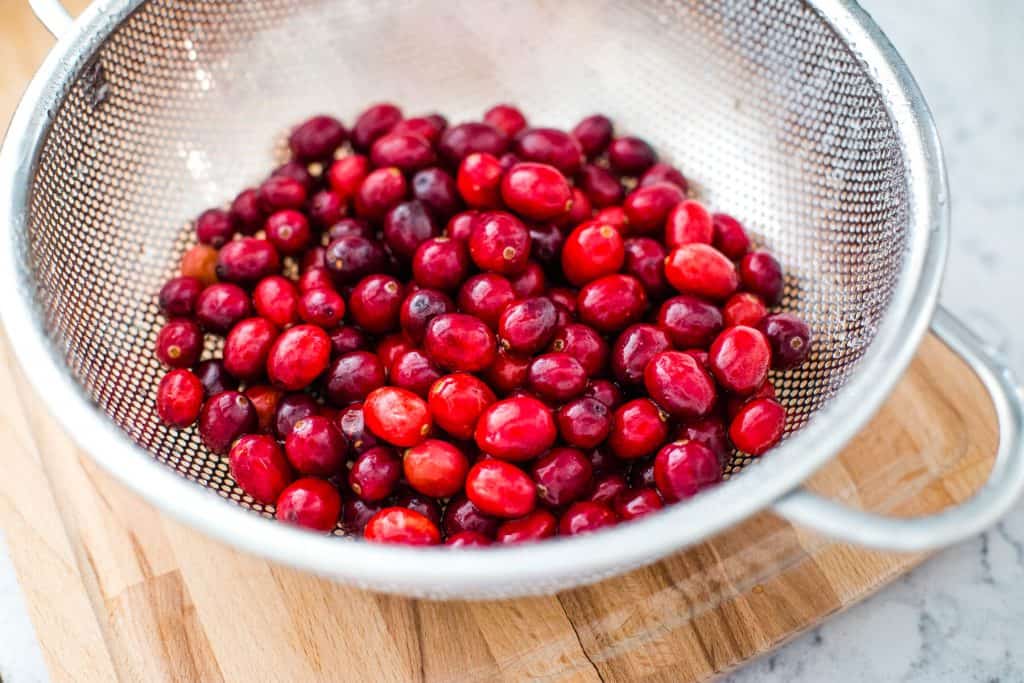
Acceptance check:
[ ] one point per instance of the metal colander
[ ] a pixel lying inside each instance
(794, 116)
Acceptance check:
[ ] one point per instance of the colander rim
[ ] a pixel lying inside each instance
(507, 570)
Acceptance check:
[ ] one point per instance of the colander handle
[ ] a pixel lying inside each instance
(1003, 488)
(53, 16)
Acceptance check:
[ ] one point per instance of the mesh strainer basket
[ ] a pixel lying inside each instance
(798, 117)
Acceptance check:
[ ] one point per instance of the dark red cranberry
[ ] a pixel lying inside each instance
(179, 398)
(584, 517)
(499, 243)
(683, 468)
(789, 337)
(247, 347)
(414, 371)
(645, 260)
(317, 277)
(564, 298)
(406, 226)
(591, 251)
(402, 526)
(381, 191)
(397, 416)
(680, 385)
(457, 401)
(556, 377)
(356, 512)
(276, 300)
(404, 151)
(744, 308)
(376, 302)
(458, 142)
(537, 191)
(460, 342)
(508, 372)
(322, 307)
(636, 503)
(259, 467)
(701, 270)
(634, 348)
(688, 223)
(419, 308)
(506, 118)
(435, 468)
(549, 146)
(392, 346)
(648, 207)
(316, 138)
(440, 263)
(604, 391)
(220, 306)
(527, 326)
(316, 447)
(607, 487)
(536, 526)
(740, 358)
(353, 426)
(500, 489)
(631, 156)
(479, 181)
(346, 175)
(531, 282)
(638, 429)
(508, 160)
(291, 409)
(310, 503)
(373, 123)
(247, 260)
(593, 133)
(312, 258)
(761, 274)
(462, 515)
(580, 211)
(641, 474)
(516, 429)
(460, 226)
(225, 417)
(729, 236)
(247, 212)
(709, 431)
(758, 426)
(486, 296)
(602, 188)
(265, 400)
(438, 192)
(584, 344)
(281, 192)
(215, 227)
(425, 505)
(689, 322)
(214, 377)
(427, 127)
(298, 356)
(326, 208)
(562, 476)
(178, 296)
(611, 303)
(352, 377)
(467, 539)
(349, 259)
(359, 227)
(296, 170)
(664, 173)
(179, 343)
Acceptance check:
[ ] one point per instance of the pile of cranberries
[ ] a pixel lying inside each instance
(494, 332)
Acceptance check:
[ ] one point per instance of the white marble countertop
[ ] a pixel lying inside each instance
(960, 617)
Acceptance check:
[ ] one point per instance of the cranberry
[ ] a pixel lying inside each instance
(440, 263)
(374, 122)
(316, 447)
(460, 226)
(356, 512)
(215, 227)
(419, 308)
(358, 227)
(295, 170)
(593, 133)
(376, 302)
(403, 526)
(460, 141)
(346, 175)
(459, 342)
(683, 468)
(739, 358)
(427, 127)
(508, 160)
(265, 399)
(435, 468)
(664, 173)
(479, 181)
(381, 191)
(316, 138)
(499, 243)
(351, 258)
(642, 474)
(247, 347)
(527, 326)
(645, 260)
(537, 191)
(584, 517)
(688, 223)
(298, 356)
(506, 118)
(584, 344)
(633, 349)
(281, 192)
(516, 429)
(247, 260)
(536, 526)
(591, 251)
(689, 321)
(462, 515)
(500, 489)
(397, 416)
(604, 391)
(414, 371)
(391, 347)
(564, 298)
(353, 426)
(744, 308)
(438, 192)
(179, 343)
(225, 417)
(612, 302)
(310, 503)
(375, 473)
(322, 307)
(247, 212)
(562, 476)
(179, 398)
(214, 377)
(276, 300)
(708, 431)
(178, 295)
(424, 505)
(701, 270)
(486, 296)
(556, 377)
(648, 207)
(761, 274)
(317, 277)
(313, 258)
(288, 231)
(200, 262)
(406, 226)
(581, 209)
(607, 488)
(456, 402)
(680, 384)
(789, 337)
(467, 539)
(405, 151)
(508, 372)
(549, 146)
(638, 429)
(220, 306)
(631, 156)
(291, 409)
(352, 377)
(259, 467)
(729, 236)
(602, 188)
(636, 503)
(614, 216)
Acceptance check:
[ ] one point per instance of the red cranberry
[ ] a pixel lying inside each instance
(179, 398)
(376, 302)
(508, 372)
(316, 138)
(467, 539)
(549, 146)
(247, 260)
(531, 282)
(457, 401)
(611, 303)
(701, 270)
(298, 356)
(352, 377)
(604, 391)
(374, 123)
(316, 447)
(225, 417)
(562, 476)
(680, 385)
(460, 226)
(688, 223)
(744, 308)
(391, 347)
(414, 371)
(427, 127)
(689, 321)
(648, 207)
(664, 173)
(438, 192)
(506, 118)
(631, 156)
(789, 337)
(353, 426)
(424, 505)
(479, 181)
(281, 192)
(397, 416)
(593, 133)
(761, 274)
(440, 263)
(265, 400)
(516, 429)
(556, 377)
(215, 227)
(346, 175)
(602, 188)
(351, 258)
(291, 409)
(729, 236)
(406, 226)
(404, 151)
(247, 347)
(636, 503)
(276, 300)
(419, 308)
(310, 503)
(486, 296)
(403, 526)
(317, 277)
(500, 489)
(462, 515)
(580, 211)
(591, 251)
(584, 517)
(683, 468)
(633, 349)
(638, 429)
(220, 306)
(178, 296)
(322, 307)
(381, 191)
(584, 344)
(645, 260)
(214, 377)
(288, 231)
(313, 258)
(179, 343)
(460, 141)
(536, 526)
(356, 512)
(459, 342)
(607, 487)
(758, 426)
(295, 170)
(499, 243)
(247, 212)
(536, 191)
(527, 326)
(259, 467)
(614, 216)
(435, 468)
(565, 298)
(708, 431)
(740, 358)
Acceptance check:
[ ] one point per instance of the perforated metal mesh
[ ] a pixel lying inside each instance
(757, 101)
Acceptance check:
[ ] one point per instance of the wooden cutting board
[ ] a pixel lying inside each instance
(117, 591)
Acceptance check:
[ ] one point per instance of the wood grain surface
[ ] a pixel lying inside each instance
(118, 591)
